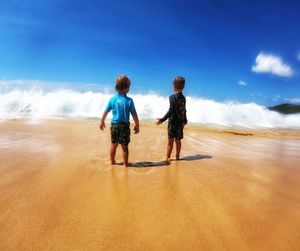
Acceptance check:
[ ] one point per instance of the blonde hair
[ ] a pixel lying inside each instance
(122, 83)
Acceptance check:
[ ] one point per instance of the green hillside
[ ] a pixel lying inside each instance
(286, 108)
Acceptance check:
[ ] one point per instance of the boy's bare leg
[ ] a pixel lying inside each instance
(113, 149)
(169, 149)
(125, 154)
(178, 148)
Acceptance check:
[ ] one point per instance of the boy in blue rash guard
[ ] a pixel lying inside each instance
(121, 107)
(177, 118)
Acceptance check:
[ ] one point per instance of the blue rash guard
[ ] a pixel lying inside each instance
(121, 106)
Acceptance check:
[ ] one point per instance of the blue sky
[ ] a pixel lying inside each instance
(247, 51)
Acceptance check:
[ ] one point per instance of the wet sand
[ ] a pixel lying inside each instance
(233, 190)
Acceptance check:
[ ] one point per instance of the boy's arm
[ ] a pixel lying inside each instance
(136, 127)
(102, 122)
(185, 119)
(164, 118)
(167, 115)
(135, 117)
(106, 111)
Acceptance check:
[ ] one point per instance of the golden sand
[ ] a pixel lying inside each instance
(232, 191)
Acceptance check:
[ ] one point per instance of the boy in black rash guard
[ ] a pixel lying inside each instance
(176, 116)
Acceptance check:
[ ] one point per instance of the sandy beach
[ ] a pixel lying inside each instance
(233, 190)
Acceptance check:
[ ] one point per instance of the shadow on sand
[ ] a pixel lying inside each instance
(166, 163)
(149, 164)
(193, 157)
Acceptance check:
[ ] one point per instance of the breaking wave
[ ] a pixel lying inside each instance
(39, 104)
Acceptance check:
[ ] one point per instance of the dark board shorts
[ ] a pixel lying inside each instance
(120, 133)
(175, 131)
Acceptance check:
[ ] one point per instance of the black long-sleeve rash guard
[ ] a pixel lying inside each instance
(177, 111)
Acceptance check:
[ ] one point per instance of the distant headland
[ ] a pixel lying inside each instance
(286, 108)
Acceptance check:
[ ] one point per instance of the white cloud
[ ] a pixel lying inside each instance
(242, 83)
(259, 95)
(276, 97)
(298, 57)
(293, 100)
(268, 63)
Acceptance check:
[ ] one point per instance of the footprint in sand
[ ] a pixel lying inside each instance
(100, 164)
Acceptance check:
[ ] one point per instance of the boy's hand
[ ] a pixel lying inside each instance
(102, 126)
(136, 129)
(158, 122)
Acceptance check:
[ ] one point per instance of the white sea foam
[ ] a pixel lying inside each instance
(39, 104)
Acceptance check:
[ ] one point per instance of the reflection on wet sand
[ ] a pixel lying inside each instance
(228, 192)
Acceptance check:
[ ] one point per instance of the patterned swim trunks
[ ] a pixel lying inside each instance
(175, 131)
(120, 133)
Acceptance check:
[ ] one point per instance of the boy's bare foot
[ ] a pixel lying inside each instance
(167, 160)
(113, 162)
(177, 157)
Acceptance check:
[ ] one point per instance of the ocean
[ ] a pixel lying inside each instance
(41, 103)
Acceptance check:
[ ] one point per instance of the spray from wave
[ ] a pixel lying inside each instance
(36, 103)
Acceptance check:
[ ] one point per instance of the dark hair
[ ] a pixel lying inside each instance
(179, 83)
(122, 83)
